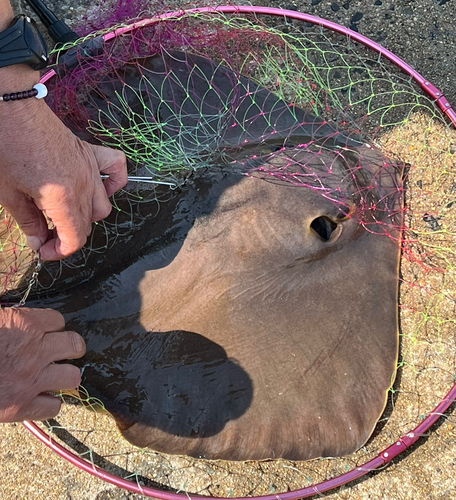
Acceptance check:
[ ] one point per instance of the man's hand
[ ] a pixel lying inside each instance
(44, 167)
(30, 341)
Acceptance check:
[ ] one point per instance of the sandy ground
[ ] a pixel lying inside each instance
(423, 33)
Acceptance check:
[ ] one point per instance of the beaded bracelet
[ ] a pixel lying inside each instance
(39, 91)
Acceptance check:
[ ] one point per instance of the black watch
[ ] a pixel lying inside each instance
(23, 43)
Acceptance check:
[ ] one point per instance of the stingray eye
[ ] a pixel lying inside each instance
(324, 227)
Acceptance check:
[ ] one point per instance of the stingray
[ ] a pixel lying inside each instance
(182, 108)
(257, 318)
(261, 331)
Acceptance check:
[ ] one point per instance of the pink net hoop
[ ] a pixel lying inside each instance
(389, 453)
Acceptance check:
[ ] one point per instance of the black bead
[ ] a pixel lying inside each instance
(17, 96)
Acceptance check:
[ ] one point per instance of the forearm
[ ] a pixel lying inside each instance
(6, 14)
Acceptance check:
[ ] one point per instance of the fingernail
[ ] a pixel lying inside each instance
(34, 243)
(80, 344)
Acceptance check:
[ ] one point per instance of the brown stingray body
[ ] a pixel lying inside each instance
(249, 335)
(254, 315)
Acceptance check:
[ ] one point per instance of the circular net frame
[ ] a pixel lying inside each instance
(333, 76)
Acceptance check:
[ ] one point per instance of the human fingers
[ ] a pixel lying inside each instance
(63, 345)
(26, 368)
(73, 223)
(101, 206)
(59, 377)
(44, 320)
(42, 407)
(113, 163)
(29, 218)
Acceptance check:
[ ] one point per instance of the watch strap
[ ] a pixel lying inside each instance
(22, 43)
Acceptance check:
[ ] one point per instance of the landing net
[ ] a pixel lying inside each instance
(366, 103)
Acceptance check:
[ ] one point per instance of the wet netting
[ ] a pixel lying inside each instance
(284, 100)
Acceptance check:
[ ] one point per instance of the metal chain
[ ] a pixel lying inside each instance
(31, 283)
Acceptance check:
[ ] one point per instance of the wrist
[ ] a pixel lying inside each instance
(20, 122)
(21, 43)
(17, 78)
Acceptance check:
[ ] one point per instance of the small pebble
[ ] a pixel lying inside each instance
(335, 7)
(357, 16)
(432, 222)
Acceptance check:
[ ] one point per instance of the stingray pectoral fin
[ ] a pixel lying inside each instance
(262, 117)
(179, 383)
(180, 89)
